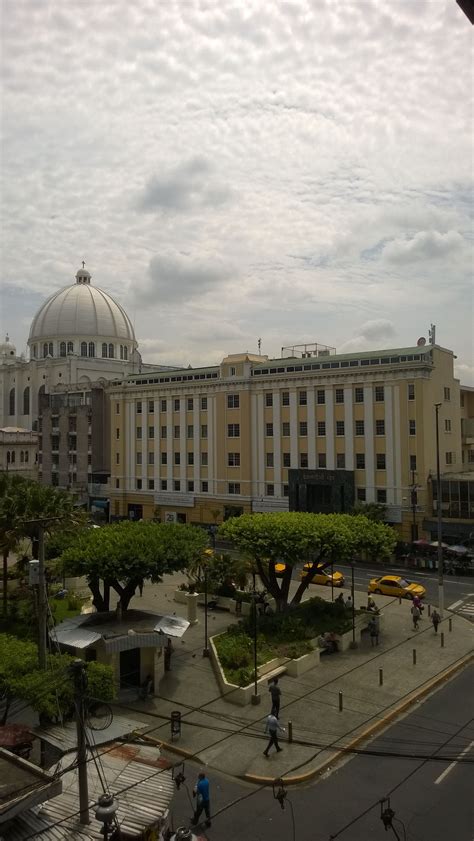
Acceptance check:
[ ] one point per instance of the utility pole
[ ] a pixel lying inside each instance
(414, 502)
(42, 602)
(439, 520)
(255, 696)
(78, 671)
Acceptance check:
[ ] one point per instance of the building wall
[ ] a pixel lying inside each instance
(19, 452)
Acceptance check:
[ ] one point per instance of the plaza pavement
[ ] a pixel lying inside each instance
(221, 735)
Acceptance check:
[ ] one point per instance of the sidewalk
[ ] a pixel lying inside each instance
(230, 738)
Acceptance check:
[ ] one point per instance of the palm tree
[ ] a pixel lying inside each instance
(12, 507)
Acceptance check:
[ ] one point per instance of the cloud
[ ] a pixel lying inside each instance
(372, 334)
(187, 186)
(174, 279)
(425, 245)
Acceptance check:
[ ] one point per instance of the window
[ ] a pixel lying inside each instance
(117, 458)
(321, 427)
(45, 350)
(359, 427)
(83, 349)
(91, 349)
(164, 485)
(380, 461)
(339, 395)
(139, 484)
(190, 404)
(285, 398)
(164, 432)
(70, 347)
(447, 393)
(177, 485)
(151, 484)
(303, 398)
(339, 427)
(26, 456)
(379, 394)
(62, 349)
(412, 462)
(204, 430)
(382, 496)
(269, 430)
(203, 404)
(190, 430)
(162, 405)
(340, 461)
(285, 429)
(286, 460)
(380, 427)
(268, 398)
(121, 351)
(50, 349)
(117, 408)
(321, 459)
(359, 395)
(360, 461)
(286, 490)
(233, 401)
(303, 460)
(270, 490)
(164, 458)
(22, 457)
(233, 430)
(151, 431)
(361, 494)
(204, 459)
(234, 488)
(151, 458)
(233, 459)
(125, 352)
(117, 433)
(176, 431)
(269, 459)
(411, 391)
(320, 396)
(26, 400)
(139, 432)
(139, 458)
(470, 456)
(461, 396)
(151, 407)
(412, 427)
(232, 371)
(190, 459)
(111, 351)
(177, 458)
(303, 428)
(117, 483)
(11, 402)
(449, 458)
(104, 350)
(139, 407)
(176, 404)
(447, 424)
(204, 487)
(190, 486)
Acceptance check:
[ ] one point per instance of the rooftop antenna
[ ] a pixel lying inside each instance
(432, 334)
(259, 344)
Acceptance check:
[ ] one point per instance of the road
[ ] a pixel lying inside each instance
(432, 799)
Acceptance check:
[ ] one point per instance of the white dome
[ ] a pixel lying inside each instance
(7, 348)
(81, 310)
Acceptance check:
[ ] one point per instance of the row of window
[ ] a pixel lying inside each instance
(24, 457)
(164, 403)
(345, 363)
(233, 429)
(85, 349)
(12, 401)
(233, 460)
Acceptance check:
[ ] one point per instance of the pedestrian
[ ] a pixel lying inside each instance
(436, 619)
(373, 627)
(340, 599)
(146, 688)
(275, 692)
(416, 614)
(419, 604)
(371, 606)
(140, 586)
(349, 602)
(201, 793)
(272, 727)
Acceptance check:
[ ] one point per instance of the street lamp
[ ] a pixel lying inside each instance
(354, 644)
(255, 697)
(208, 553)
(414, 502)
(439, 520)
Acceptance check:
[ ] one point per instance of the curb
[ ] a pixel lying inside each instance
(370, 731)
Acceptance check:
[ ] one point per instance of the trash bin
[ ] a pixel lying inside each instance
(175, 724)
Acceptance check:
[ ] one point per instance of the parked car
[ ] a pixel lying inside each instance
(395, 585)
(324, 576)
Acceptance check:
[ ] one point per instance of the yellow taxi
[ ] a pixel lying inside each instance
(324, 576)
(395, 585)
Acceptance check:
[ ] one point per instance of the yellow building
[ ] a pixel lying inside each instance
(199, 444)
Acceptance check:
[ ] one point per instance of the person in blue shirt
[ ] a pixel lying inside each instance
(201, 793)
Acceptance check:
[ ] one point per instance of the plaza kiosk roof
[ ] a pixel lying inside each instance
(134, 629)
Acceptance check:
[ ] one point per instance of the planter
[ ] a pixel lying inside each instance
(295, 668)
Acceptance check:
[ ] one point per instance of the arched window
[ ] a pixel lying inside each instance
(8, 457)
(35, 351)
(26, 457)
(91, 349)
(111, 351)
(26, 400)
(22, 456)
(104, 350)
(121, 351)
(83, 348)
(125, 352)
(50, 349)
(11, 402)
(62, 349)
(13, 456)
(45, 350)
(70, 347)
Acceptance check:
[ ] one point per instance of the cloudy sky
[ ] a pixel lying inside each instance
(296, 170)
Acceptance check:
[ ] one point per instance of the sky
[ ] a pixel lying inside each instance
(280, 169)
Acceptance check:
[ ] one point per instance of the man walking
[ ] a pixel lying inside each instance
(416, 613)
(201, 793)
(272, 727)
(373, 627)
(436, 619)
(275, 692)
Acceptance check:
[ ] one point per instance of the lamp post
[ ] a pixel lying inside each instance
(255, 697)
(208, 554)
(353, 643)
(414, 502)
(439, 520)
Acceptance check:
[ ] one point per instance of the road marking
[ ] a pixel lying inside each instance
(454, 605)
(450, 767)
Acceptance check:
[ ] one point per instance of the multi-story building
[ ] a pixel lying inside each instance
(249, 434)
(19, 451)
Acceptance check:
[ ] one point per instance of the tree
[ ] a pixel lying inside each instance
(10, 512)
(375, 511)
(294, 537)
(122, 554)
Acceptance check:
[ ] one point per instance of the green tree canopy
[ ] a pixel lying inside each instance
(122, 554)
(294, 537)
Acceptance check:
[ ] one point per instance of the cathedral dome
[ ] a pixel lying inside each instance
(81, 312)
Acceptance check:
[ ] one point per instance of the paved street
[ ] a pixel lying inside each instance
(432, 799)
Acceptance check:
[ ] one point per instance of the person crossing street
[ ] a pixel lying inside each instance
(201, 793)
(272, 727)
